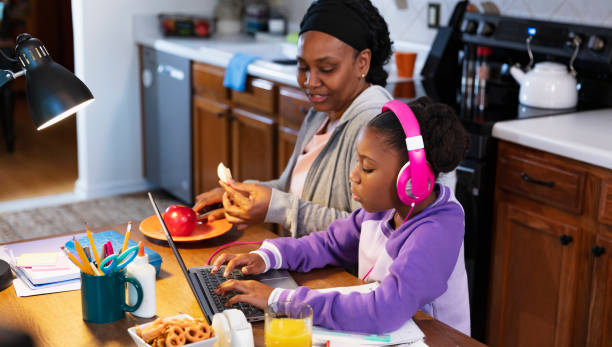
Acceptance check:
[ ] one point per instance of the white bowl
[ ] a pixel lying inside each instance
(140, 342)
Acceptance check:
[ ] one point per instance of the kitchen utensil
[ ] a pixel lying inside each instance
(151, 228)
(549, 84)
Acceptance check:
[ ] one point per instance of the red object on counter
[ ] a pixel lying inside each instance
(180, 220)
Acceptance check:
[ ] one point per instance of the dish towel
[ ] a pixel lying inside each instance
(236, 71)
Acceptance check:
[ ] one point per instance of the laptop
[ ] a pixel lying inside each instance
(203, 284)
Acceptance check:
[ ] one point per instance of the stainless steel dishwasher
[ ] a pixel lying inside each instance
(166, 91)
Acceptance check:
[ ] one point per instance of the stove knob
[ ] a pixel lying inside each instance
(469, 26)
(596, 43)
(486, 29)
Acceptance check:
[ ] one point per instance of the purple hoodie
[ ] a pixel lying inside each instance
(420, 265)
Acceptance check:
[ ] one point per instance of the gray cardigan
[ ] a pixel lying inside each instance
(327, 189)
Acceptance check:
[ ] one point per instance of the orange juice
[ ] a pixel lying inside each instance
(288, 332)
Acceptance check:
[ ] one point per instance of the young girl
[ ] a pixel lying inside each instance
(408, 235)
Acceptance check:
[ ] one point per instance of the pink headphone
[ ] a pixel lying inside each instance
(416, 178)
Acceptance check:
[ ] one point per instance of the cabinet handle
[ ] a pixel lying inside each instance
(230, 116)
(566, 240)
(303, 110)
(220, 114)
(528, 179)
(598, 251)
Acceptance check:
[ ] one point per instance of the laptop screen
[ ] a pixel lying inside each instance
(176, 254)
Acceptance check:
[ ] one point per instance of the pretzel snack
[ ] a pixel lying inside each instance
(175, 332)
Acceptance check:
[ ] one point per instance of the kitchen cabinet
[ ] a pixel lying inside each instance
(550, 274)
(293, 105)
(236, 128)
(600, 312)
(254, 130)
(211, 142)
(253, 146)
(210, 125)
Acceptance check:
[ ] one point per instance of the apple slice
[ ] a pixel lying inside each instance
(224, 173)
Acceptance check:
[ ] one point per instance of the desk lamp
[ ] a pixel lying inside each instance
(53, 94)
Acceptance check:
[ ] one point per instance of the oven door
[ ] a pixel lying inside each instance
(474, 191)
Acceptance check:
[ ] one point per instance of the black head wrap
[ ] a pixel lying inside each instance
(335, 18)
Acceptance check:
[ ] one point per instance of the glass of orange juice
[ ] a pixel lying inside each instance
(288, 324)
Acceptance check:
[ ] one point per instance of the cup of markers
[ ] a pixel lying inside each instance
(103, 282)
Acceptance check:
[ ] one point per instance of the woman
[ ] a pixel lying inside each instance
(342, 47)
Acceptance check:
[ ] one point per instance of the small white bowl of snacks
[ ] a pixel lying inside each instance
(181, 330)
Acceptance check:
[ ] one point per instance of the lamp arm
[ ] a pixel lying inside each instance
(9, 59)
(8, 75)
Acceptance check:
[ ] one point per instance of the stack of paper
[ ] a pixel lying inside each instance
(41, 267)
(409, 334)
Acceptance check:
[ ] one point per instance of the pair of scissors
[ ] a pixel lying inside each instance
(116, 262)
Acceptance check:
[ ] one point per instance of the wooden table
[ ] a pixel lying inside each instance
(55, 319)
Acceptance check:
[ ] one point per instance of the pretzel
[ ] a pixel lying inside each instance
(175, 336)
(153, 330)
(197, 333)
(175, 332)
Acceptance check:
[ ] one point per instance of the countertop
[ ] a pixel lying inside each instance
(219, 49)
(583, 136)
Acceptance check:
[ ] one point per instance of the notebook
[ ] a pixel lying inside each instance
(203, 284)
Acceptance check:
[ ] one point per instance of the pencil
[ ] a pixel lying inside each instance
(82, 255)
(73, 259)
(96, 271)
(127, 237)
(92, 244)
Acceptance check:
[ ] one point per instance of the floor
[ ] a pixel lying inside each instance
(43, 163)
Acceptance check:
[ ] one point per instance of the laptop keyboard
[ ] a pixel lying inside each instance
(211, 282)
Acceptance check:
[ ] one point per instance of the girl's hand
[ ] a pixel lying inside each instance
(252, 264)
(252, 292)
(246, 203)
(207, 199)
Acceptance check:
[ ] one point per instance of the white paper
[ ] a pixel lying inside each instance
(22, 289)
(408, 334)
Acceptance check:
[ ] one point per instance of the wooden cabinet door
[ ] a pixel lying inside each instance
(533, 278)
(211, 143)
(600, 313)
(253, 146)
(286, 142)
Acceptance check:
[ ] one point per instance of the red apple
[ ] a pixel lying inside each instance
(180, 220)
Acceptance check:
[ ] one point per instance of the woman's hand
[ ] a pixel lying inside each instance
(252, 264)
(251, 292)
(246, 203)
(207, 199)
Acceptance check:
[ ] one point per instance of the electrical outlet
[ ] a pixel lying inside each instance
(433, 15)
(401, 4)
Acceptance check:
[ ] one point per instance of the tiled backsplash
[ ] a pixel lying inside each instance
(410, 24)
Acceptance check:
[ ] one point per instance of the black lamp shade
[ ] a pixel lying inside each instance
(53, 92)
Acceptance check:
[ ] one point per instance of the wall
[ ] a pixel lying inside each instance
(410, 24)
(106, 59)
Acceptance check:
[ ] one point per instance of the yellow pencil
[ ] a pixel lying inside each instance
(73, 259)
(95, 269)
(83, 257)
(92, 244)
(127, 237)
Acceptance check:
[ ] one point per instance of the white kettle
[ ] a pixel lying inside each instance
(547, 85)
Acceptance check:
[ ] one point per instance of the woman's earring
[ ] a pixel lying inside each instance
(362, 76)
